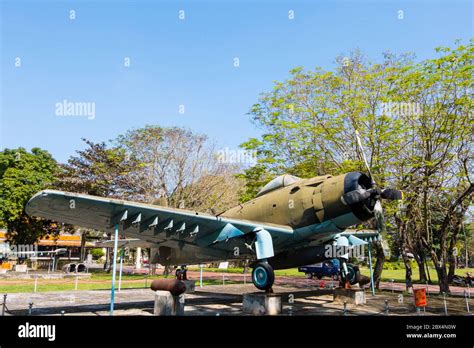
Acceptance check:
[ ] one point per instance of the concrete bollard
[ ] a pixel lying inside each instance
(353, 296)
(261, 304)
(168, 305)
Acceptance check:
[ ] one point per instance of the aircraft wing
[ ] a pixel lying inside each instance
(361, 237)
(132, 243)
(151, 223)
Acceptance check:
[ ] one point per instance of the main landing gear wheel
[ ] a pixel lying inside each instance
(263, 276)
(181, 273)
(353, 274)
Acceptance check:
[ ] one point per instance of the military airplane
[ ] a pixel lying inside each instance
(290, 223)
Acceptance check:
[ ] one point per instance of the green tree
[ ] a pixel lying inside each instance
(434, 165)
(22, 174)
(415, 120)
(99, 170)
(310, 122)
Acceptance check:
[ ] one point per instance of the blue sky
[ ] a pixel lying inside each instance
(186, 62)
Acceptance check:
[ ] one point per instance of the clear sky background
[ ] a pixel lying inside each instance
(186, 62)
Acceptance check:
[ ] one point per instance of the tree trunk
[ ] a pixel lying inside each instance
(442, 278)
(452, 268)
(428, 270)
(379, 263)
(420, 260)
(408, 272)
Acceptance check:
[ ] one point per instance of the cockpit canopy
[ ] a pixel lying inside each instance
(278, 182)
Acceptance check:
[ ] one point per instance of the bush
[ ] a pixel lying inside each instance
(97, 253)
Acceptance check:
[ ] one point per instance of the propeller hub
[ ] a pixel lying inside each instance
(359, 195)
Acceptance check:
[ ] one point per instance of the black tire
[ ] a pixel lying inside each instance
(353, 276)
(263, 276)
(354, 273)
(319, 276)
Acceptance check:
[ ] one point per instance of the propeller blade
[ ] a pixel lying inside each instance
(378, 212)
(355, 196)
(392, 194)
(361, 148)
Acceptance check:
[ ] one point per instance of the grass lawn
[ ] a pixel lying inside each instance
(398, 275)
(97, 281)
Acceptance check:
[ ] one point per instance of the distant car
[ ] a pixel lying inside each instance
(328, 268)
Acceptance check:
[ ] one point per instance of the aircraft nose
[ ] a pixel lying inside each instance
(358, 183)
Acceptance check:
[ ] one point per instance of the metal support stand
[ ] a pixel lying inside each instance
(121, 268)
(467, 301)
(114, 269)
(372, 285)
(445, 305)
(200, 276)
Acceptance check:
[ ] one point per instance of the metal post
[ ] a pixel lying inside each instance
(30, 308)
(121, 267)
(223, 281)
(345, 308)
(467, 301)
(200, 277)
(4, 306)
(445, 305)
(372, 286)
(386, 307)
(114, 269)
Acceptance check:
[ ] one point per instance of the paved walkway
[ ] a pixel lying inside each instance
(223, 300)
(301, 282)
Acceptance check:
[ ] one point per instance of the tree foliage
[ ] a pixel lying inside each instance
(22, 174)
(416, 123)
